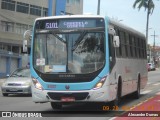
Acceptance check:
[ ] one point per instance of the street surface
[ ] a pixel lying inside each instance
(87, 111)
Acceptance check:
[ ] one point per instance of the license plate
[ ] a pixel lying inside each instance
(67, 99)
(13, 89)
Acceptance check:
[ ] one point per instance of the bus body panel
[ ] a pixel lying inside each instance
(130, 73)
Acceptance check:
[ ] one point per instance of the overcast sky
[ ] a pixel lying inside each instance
(122, 10)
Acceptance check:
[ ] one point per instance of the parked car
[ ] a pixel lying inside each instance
(148, 67)
(19, 82)
(151, 66)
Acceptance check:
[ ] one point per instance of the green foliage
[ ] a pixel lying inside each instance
(146, 4)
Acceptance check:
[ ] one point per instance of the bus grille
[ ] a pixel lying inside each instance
(14, 84)
(77, 96)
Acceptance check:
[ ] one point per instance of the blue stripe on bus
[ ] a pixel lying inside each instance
(31, 52)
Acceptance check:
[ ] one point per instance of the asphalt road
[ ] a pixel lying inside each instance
(22, 103)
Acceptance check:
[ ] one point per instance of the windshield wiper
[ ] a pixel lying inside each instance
(59, 38)
(83, 34)
(79, 40)
(16, 75)
(51, 32)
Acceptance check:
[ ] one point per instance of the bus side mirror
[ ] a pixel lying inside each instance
(25, 46)
(116, 41)
(26, 39)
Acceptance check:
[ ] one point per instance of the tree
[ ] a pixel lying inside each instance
(149, 6)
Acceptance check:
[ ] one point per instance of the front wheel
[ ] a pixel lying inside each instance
(55, 105)
(117, 100)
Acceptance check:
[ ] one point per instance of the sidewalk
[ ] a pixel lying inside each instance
(147, 110)
(2, 80)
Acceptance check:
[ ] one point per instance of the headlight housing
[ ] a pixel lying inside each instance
(36, 84)
(100, 83)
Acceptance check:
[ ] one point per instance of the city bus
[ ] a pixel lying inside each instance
(86, 58)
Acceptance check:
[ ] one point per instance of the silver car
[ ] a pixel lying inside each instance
(18, 83)
(151, 66)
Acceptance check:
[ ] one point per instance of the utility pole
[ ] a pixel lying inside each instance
(98, 8)
(154, 50)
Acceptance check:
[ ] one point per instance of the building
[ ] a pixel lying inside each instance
(153, 54)
(17, 16)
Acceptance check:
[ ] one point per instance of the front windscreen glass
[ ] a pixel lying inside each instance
(69, 50)
(21, 73)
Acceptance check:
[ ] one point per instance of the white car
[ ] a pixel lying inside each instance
(18, 83)
(151, 66)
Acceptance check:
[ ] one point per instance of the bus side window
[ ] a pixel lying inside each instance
(111, 52)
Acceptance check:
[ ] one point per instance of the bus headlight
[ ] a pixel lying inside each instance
(37, 85)
(100, 83)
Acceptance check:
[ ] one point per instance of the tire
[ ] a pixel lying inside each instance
(116, 102)
(55, 105)
(5, 94)
(137, 93)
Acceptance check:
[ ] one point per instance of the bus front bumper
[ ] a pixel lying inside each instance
(99, 95)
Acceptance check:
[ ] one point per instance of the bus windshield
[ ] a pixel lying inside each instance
(73, 51)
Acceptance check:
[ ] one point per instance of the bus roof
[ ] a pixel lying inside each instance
(115, 23)
(126, 28)
(70, 16)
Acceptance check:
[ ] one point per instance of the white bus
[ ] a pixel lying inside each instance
(81, 58)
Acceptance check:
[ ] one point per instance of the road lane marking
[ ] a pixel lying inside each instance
(146, 91)
(158, 93)
(137, 105)
(112, 118)
(157, 84)
(149, 83)
(134, 106)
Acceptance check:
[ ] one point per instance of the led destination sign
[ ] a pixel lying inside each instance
(50, 25)
(69, 23)
(76, 24)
